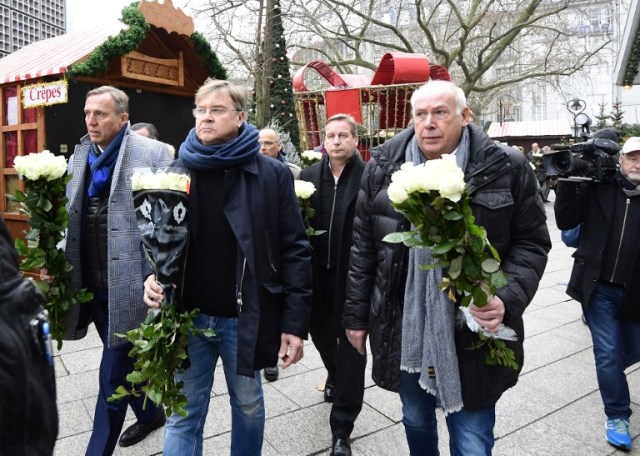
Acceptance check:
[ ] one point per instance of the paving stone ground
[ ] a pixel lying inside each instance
(555, 409)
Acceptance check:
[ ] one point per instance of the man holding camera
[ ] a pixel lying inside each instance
(605, 278)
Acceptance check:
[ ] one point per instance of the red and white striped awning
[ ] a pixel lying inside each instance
(54, 55)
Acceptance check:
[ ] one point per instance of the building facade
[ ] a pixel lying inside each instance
(24, 21)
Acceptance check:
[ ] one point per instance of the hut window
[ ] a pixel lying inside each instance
(19, 135)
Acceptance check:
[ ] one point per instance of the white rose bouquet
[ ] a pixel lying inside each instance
(43, 201)
(161, 199)
(309, 157)
(433, 197)
(304, 190)
(537, 163)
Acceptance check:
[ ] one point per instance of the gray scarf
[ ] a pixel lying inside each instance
(428, 344)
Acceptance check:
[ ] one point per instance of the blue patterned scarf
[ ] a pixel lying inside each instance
(196, 155)
(102, 164)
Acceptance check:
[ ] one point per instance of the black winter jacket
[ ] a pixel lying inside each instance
(342, 235)
(263, 212)
(591, 205)
(505, 202)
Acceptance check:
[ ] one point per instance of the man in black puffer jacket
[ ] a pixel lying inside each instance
(505, 201)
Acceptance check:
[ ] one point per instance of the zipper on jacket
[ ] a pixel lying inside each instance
(624, 223)
(333, 208)
(239, 288)
(269, 252)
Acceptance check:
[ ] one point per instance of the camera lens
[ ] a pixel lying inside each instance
(562, 162)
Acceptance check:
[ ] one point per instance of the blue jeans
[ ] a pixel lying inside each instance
(470, 433)
(183, 435)
(616, 346)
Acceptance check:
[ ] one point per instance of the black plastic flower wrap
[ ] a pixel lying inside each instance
(161, 199)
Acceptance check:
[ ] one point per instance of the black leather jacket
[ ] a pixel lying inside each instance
(505, 201)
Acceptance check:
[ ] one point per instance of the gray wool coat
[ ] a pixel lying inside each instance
(126, 307)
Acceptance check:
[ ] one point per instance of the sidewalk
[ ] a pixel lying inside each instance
(555, 409)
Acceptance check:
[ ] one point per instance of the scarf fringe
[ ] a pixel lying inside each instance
(409, 370)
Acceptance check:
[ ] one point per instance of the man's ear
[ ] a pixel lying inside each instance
(467, 116)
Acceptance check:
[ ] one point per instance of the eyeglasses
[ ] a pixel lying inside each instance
(266, 143)
(215, 112)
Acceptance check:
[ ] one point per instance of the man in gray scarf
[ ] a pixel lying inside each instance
(418, 348)
(605, 278)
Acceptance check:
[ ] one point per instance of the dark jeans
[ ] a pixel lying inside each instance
(346, 368)
(114, 367)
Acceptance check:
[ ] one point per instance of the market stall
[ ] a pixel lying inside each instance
(152, 53)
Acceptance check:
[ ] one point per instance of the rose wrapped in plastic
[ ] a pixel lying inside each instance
(160, 343)
(44, 201)
(433, 197)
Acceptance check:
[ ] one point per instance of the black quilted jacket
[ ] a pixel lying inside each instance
(505, 202)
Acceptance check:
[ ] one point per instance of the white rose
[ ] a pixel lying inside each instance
(397, 193)
(426, 178)
(451, 183)
(148, 180)
(304, 189)
(311, 155)
(41, 165)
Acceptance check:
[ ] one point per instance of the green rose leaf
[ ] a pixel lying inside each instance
(443, 248)
(396, 238)
(453, 215)
(455, 267)
(490, 265)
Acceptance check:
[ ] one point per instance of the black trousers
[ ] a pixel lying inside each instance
(346, 370)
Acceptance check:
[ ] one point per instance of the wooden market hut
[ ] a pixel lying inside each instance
(152, 53)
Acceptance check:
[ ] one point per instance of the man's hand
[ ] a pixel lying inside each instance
(291, 349)
(357, 338)
(153, 293)
(490, 315)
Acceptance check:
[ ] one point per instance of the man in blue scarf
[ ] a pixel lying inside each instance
(248, 270)
(103, 246)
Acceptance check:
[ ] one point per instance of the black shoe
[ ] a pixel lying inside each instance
(138, 431)
(271, 373)
(329, 391)
(340, 446)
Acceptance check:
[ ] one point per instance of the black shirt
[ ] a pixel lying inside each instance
(210, 278)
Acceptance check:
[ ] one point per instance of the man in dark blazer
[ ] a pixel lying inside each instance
(337, 181)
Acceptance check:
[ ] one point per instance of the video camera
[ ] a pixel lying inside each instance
(589, 161)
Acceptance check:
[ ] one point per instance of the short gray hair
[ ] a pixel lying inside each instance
(120, 99)
(440, 86)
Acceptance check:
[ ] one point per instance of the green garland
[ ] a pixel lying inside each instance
(633, 62)
(129, 40)
(121, 44)
(209, 59)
